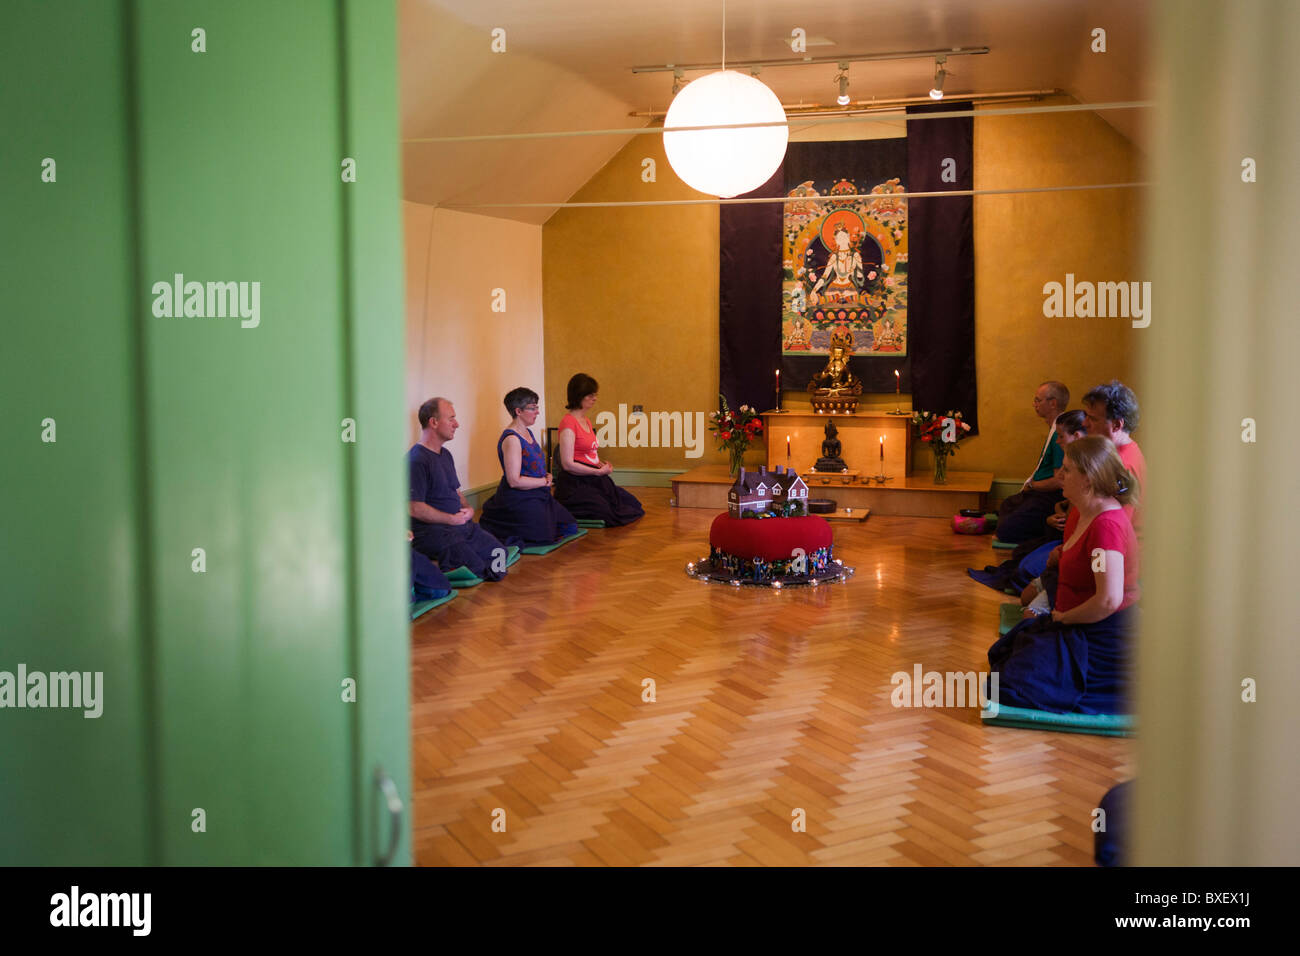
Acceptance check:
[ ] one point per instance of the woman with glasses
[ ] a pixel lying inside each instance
(584, 485)
(522, 509)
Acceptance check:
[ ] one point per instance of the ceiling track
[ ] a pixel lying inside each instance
(863, 107)
(816, 60)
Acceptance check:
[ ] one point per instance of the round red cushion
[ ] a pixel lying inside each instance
(772, 539)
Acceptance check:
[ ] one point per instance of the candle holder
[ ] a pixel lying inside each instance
(898, 398)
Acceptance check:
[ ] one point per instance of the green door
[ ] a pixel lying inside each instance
(211, 317)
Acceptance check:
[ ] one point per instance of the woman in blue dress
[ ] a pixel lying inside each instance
(522, 506)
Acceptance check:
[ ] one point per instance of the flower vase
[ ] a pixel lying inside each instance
(737, 459)
(940, 466)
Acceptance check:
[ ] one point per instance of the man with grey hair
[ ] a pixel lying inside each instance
(441, 519)
(1021, 516)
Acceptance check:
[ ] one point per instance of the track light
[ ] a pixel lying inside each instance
(936, 92)
(678, 75)
(843, 80)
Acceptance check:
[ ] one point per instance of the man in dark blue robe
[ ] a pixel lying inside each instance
(441, 519)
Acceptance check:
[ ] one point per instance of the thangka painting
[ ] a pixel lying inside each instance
(845, 266)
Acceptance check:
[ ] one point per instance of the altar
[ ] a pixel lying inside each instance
(859, 434)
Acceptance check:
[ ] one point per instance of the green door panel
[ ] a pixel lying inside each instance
(230, 686)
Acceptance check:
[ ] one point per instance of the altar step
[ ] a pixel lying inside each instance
(706, 486)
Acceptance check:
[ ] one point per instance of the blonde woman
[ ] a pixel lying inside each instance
(1075, 659)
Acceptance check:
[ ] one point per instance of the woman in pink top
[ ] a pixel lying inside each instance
(582, 482)
(1075, 660)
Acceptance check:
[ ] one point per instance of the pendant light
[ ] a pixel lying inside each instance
(725, 162)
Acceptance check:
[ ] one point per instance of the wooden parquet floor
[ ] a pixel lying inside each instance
(527, 709)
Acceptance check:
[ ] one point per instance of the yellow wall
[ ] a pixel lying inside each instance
(1024, 241)
(456, 346)
(630, 295)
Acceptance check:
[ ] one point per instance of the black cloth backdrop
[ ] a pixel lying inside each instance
(941, 280)
(939, 369)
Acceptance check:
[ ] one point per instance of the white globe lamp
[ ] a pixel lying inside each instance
(725, 162)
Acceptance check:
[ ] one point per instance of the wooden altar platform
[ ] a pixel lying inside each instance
(859, 436)
(915, 496)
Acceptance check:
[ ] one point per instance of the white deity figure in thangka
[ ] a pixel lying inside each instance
(843, 277)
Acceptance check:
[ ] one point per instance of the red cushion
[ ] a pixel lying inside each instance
(964, 525)
(772, 539)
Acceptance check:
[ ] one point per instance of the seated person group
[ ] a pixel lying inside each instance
(522, 512)
(1076, 523)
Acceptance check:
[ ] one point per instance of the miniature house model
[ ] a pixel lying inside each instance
(763, 489)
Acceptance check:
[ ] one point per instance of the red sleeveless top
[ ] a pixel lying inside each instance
(584, 441)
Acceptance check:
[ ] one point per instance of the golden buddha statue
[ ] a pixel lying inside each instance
(835, 388)
(836, 377)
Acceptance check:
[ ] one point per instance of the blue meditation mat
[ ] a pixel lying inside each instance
(512, 555)
(1004, 545)
(1010, 615)
(423, 607)
(548, 548)
(590, 523)
(1102, 725)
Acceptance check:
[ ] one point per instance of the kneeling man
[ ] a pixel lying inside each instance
(1022, 515)
(441, 519)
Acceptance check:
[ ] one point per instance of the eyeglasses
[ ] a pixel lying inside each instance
(530, 408)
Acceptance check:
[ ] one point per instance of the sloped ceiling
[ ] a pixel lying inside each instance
(567, 66)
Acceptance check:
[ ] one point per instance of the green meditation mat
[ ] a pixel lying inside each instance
(422, 607)
(1102, 725)
(590, 523)
(1003, 545)
(1011, 614)
(548, 548)
(463, 577)
(512, 555)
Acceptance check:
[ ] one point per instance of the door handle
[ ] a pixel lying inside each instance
(388, 790)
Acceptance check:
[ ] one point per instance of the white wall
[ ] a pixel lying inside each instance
(456, 346)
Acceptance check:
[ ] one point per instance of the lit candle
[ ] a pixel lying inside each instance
(898, 383)
(787, 446)
(882, 449)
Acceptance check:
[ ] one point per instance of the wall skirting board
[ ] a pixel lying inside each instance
(624, 477)
(662, 478)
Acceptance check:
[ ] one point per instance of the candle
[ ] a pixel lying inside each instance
(882, 449)
(787, 446)
(898, 384)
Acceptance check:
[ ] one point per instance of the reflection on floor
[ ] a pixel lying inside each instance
(528, 709)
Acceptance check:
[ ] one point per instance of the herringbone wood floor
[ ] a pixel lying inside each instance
(527, 697)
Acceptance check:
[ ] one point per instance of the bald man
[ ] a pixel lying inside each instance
(1022, 516)
(441, 519)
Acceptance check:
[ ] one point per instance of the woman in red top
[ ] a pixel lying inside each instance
(582, 482)
(1075, 660)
